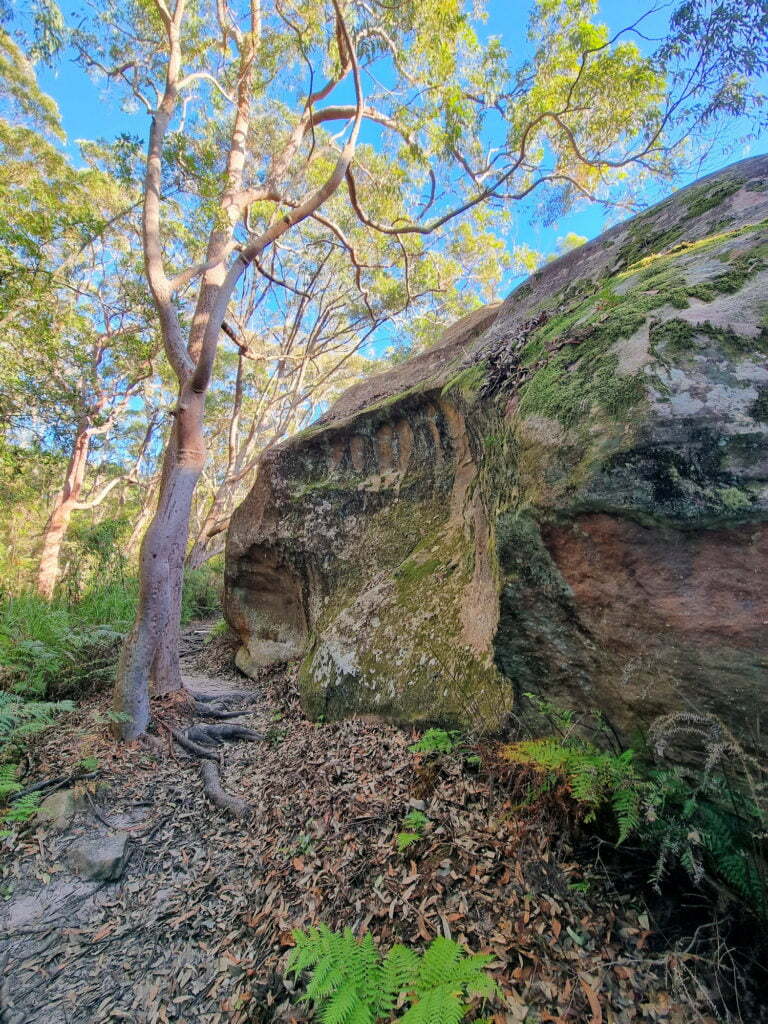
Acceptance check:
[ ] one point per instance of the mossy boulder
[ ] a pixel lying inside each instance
(567, 494)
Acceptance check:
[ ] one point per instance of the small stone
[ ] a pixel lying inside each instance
(101, 859)
(59, 808)
(417, 805)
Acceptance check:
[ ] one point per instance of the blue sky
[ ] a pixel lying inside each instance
(88, 113)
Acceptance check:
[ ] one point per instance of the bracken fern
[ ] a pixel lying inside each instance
(712, 823)
(352, 983)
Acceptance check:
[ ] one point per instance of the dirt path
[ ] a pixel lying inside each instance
(196, 927)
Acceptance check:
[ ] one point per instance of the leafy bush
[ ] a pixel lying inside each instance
(51, 650)
(201, 595)
(352, 983)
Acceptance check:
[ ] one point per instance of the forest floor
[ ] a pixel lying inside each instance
(198, 926)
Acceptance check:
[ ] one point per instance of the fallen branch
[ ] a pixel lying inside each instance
(52, 784)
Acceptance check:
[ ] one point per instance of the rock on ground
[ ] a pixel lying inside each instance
(99, 858)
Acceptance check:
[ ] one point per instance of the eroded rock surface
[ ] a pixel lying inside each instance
(567, 494)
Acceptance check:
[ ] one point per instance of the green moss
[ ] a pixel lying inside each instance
(741, 270)
(676, 337)
(645, 238)
(708, 195)
(413, 570)
(576, 379)
(732, 343)
(410, 664)
(532, 352)
(734, 499)
(468, 381)
(705, 291)
(759, 408)
(663, 259)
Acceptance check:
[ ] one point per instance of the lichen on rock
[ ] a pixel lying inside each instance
(567, 494)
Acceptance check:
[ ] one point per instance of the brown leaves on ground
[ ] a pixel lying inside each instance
(198, 928)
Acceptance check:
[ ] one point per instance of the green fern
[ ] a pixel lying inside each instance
(709, 826)
(19, 719)
(437, 741)
(414, 824)
(595, 777)
(23, 809)
(351, 983)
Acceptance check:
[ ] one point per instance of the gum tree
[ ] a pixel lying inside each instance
(291, 348)
(272, 114)
(75, 343)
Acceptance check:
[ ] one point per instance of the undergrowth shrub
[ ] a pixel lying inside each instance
(352, 983)
(201, 595)
(55, 649)
(51, 650)
(712, 822)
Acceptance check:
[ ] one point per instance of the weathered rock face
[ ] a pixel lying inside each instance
(568, 495)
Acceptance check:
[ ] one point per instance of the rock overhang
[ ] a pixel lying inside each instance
(457, 531)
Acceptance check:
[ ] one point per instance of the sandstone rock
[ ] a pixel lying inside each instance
(100, 859)
(59, 808)
(567, 494)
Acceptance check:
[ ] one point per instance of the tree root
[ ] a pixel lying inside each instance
(218, 795)
(204, 742)
(193, 748)
(216, 735)
(214, 698)
(215, 712)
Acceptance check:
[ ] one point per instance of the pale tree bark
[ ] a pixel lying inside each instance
(149, 658)
(68, 501)
(61, 513)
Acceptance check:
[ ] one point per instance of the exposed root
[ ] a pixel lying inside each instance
(203, 741)
(214, 712)
(216, 735)
(193, 748)
(218, 795)
(225, 695)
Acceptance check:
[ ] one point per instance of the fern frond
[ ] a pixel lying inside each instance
(440, 1005)
(23, 809)
(397, 974)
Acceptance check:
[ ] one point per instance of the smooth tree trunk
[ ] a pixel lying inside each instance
(150, 656)
(149, 660)
(61, 515)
